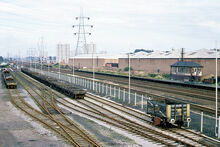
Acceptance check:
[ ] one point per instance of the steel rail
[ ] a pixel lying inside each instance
(60, 124)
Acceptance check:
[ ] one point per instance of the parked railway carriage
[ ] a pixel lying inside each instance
(169, 112)
(9, 80)
(59, 85)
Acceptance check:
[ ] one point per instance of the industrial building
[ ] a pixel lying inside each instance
(98, 61)
(162, 60)
(152, 62)
(63, 53)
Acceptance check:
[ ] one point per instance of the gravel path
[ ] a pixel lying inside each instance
(17, 129)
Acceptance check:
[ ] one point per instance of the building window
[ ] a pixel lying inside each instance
(174, 69)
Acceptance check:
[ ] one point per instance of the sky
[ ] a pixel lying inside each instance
(120, 26)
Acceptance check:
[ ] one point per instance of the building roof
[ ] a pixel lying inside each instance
(166, 54)
(186, 64)
(102, 56)
(176, 53)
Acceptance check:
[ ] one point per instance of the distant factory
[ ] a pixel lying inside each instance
(151, 61)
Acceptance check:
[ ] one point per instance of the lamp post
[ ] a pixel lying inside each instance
(129, 78)
(216, 94)
(73, 64)
(93, 72)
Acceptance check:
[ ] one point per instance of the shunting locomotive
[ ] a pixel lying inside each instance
(9, 80)
(168, 112)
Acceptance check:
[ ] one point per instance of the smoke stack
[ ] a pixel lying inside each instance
(182, 54)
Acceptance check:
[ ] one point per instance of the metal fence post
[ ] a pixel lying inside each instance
(142, 101)
(201, 124)
(135, 97)
(114, 91)
(219, 127)
(84, 82)
(124, 96)
(146, 105)
(119, 92)
(129, 97)
(110, 87)
(106, 90)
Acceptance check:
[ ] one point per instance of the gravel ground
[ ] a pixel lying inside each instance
(17, 129)
(106, 134)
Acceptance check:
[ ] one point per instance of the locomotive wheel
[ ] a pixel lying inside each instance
(180, 123)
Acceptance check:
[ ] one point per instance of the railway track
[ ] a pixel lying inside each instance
(192, 95)
(188, 91)
(57, 121)
(97, 111)
(198, 137)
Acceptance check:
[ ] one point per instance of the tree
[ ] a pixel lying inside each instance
(127, 68)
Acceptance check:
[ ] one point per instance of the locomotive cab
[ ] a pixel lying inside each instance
(169, 112)
(178, 113)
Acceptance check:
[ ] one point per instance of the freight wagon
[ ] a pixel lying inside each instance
(169, 112)
(59, 85)
(9, 80)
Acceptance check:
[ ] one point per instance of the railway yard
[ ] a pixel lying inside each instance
(110, 73)
(105, 116)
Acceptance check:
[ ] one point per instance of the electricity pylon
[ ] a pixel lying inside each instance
(81, 34)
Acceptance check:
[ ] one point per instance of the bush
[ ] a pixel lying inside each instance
(119, 70)
(152, 75)
(166, 76)
(67, 66)
(127, 68)
(159, 77)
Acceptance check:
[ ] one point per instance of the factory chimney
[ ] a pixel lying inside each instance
(182, 54)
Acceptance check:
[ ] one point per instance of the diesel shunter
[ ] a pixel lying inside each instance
(169, 112)
(9, 80)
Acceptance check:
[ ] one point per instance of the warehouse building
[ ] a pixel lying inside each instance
(99, 61)
(160, 61)
(150, 62)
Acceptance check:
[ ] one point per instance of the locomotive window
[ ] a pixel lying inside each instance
(157, 108)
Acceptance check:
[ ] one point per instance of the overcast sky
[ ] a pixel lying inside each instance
(120, 26)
